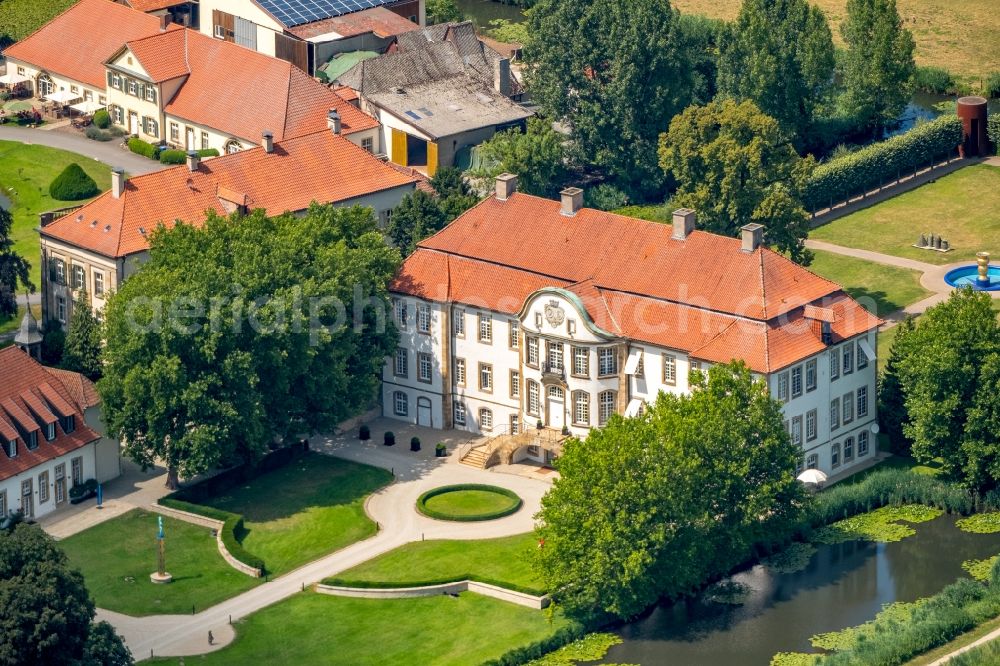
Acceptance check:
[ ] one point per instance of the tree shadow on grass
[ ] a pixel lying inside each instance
(875, 301)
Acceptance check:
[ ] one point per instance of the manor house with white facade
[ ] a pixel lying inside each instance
(527, 319)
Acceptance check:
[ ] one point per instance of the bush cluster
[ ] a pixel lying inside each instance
(73, 184)
(934, 80)
(439, 515)
(847, 176)
(536, 650)
(102, 119)
(140, 147)
(189, 498)
(993, 131)
(173, 157)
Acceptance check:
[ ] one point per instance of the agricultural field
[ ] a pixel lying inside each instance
(20, 18)
(957, 35)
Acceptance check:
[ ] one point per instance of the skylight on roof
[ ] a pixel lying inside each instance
(424, 110)
(412, 114)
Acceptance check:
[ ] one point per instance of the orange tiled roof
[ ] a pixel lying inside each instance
(163, 55)
(703, 295)
(76, 43)
(29, 398)
(152, 5)
(318, 167)
(82, 390)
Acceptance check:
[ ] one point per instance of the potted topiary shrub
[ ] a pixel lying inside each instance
(440, 451)
(364, 433)
(540, 425)
(389, 439)
(414, 443)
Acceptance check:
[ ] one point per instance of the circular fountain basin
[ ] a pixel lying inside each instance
(968, 276)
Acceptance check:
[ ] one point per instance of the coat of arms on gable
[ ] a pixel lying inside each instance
(554, 314)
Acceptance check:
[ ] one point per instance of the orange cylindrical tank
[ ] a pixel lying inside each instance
(972, 111)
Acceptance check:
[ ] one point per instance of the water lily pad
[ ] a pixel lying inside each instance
(885, 524)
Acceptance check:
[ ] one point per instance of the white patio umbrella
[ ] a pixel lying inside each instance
(813, 476)
(86, 106)
(62, 97)
(12, 78)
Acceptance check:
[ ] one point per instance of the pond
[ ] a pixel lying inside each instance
(481, 12)
(921, 107)
(844, 585)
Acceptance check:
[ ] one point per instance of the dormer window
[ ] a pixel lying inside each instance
(33, 440)
(50, 432)
(12, 448)
(69, 424)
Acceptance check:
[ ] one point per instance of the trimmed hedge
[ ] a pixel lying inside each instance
(854, 173)
(73, 184)
(173, 157)
(232, 523)
(102, 119)
(444, 580)
(140, 147)
(207, 152)
(538, 649)
(439, 515)
(993, 131)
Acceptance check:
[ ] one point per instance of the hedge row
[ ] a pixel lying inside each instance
(180, 156)
(232, 523)
(140, 147)
(993, 131)
(444, 580)
(538, 649)
(441, 515)
(852, 174)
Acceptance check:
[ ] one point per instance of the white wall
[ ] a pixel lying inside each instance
(246, 9)
(12, 485)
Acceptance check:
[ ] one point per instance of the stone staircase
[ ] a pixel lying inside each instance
(476, 457)
(501, 448)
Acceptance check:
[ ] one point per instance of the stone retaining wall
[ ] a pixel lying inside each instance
(216, 525)
(485, 589)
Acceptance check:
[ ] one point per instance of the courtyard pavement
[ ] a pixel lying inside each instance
(393, 507)
(107, 152)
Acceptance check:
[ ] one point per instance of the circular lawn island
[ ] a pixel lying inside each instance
(468, 502)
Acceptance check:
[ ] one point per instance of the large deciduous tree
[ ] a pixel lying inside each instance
(47, 611)
(537, 156)
(417, 216)
(949, 368)
(657, 504)
(778, 54)
(244, 332)
(735, 165)
(878, 65)
(615, 72)
(14, 268)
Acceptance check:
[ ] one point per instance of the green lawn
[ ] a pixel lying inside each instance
(302, 511)
(505, 562)
(879, 288)
(117, 556)
(12, 323)
(25, 174)
(310, 629)
(469, 502)
(963, 206)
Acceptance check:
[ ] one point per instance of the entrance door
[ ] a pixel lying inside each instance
(557, 408)
(424, 412)
(133, 122)
(60, 484)
(189, 139)
(27, 499)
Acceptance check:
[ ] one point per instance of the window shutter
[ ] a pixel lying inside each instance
(109, 78)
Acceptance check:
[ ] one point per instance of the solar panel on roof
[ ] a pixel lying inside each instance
(298, 12)
(412, 115)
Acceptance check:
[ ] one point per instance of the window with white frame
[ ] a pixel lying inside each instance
(399, 308)
(150, 94)
(61, 309)
(810, 375)
(118, 114)
(862, 360)
(11, 448)
(797, 430)
(848, 405)
(834, 363)
(116, 81)
(486, 377)
(458, 323)
(532, 355)
(515, 424)
(50, 431)
(796, 381)
(534, 398)
(400, 403)
(98, 283)
(460, 413)
(175, 132)
(581, 362)
(20, 70)
(605, 406)
(204, 140)
(79, 277)
(515, 384)
(812, 461)
(848, 449)
(424, 318)
(368, 144)
(513, 333)
(835, 455)
(834, 413)
(76, 467)
(670, 369)
(554, 355)
(848, 358)
(402, 364)
(425, 366)
(811, 419)
(133, 87)
(485, 327)
(485, 418)
(60, 483)
(783, 387)
(581, 408)
(607, 361)
(58, 271)
(232, 146)
(862, 443)
(862, 401)
(460, 371)
(43, 487)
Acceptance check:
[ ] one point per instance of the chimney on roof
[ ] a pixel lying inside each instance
(506, 186)
(193, 160)
(753, 236)
(572, 201)
(117, 182)
(165, 20)
(268, 143)
(333, 121)
(501, 76)
(684, 220)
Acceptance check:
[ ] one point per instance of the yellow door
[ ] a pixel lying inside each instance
(432, 158)
(399, 147)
